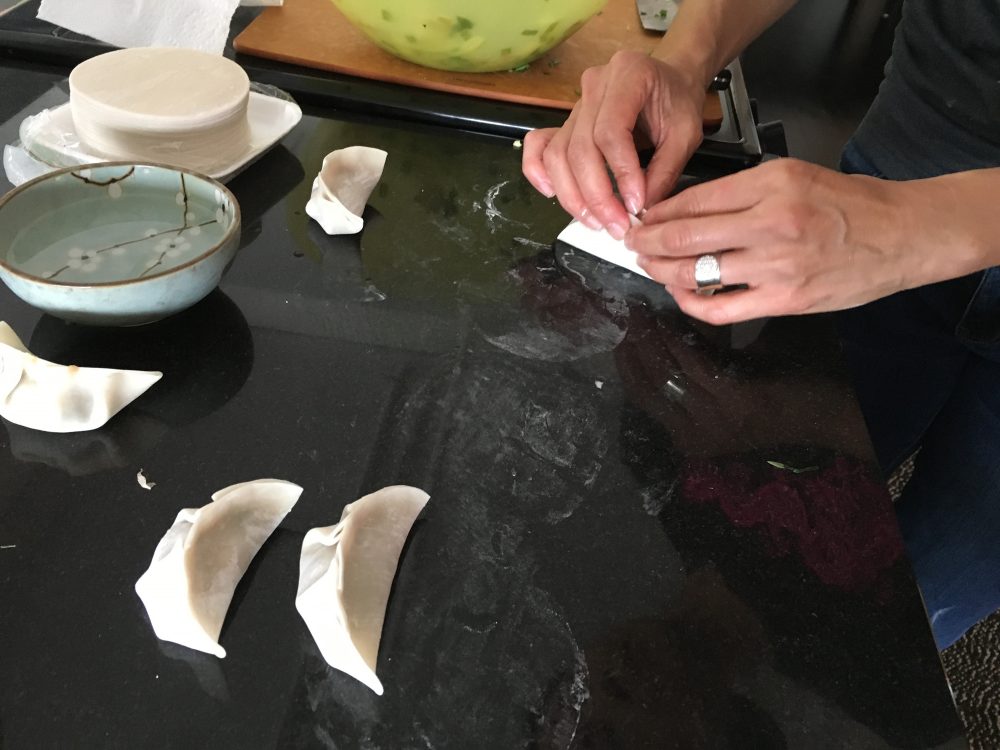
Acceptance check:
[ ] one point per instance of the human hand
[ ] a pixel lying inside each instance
(803, 238)
(634, 94)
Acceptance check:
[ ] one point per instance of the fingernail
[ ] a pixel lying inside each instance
(633, 204)
(617, 230)
(546, 189)
(590, 220)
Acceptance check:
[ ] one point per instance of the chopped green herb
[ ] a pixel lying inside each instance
(520, 68)
(793, 469)
(662, 14)
(529, 32)
(553, 62)
(461, 24)
(411, 39)
(505, 51)
(386, 15)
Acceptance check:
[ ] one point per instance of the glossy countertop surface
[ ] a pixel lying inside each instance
(642, 532)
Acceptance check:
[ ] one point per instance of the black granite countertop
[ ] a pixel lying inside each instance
(643, 531)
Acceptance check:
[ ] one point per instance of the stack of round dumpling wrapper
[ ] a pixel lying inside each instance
(172, 106)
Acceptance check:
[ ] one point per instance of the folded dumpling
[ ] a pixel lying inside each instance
(60, 398)
(346, 572)
(601, 244)
(343, 186)
(196, 566)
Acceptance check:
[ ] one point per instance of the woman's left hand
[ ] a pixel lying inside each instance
(803, 239)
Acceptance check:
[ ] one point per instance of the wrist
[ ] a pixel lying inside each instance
(694, 61)
(949, 223)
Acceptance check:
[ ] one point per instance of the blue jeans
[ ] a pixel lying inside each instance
(926, 367)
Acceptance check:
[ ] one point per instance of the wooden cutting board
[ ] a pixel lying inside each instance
(314, 34)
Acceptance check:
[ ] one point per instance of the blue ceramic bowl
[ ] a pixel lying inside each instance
(117, 244)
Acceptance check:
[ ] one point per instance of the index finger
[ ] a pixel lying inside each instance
(532, 165)
(669, 160)
(613, 134)
(729, 194)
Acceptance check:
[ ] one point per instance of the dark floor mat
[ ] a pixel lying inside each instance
(972, 663)
(973, 668)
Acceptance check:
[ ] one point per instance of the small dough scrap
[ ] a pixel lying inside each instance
(343, 186)
(202, 557)
(143, 482)
(45, 396)
(346, 572)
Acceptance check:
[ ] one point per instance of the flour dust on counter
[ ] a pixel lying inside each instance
(434, 240)
(562, 318)
(494, 215)
(479, 627)
(532, 339)
(544, 445)
(461, 663)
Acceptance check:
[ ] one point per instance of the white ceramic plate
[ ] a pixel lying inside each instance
(53, 140)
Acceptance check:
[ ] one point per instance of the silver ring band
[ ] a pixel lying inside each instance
(708, 273)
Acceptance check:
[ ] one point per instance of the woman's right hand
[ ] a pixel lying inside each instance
(633, 95)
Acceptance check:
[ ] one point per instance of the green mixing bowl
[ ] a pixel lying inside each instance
(473, 36)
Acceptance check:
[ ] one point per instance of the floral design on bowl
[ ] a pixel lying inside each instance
(117, 244)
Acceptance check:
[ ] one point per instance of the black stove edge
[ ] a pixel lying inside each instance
(353, 94)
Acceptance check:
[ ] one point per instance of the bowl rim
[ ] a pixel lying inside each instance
(226, 237)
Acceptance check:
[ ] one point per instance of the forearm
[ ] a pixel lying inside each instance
(707, 34)
(952, 223)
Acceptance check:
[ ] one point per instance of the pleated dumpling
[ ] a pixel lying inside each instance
(346, 572)
(59, 398)
(343, 186)
(202, 557)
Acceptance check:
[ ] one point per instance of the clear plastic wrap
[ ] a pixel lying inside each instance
(48, 140)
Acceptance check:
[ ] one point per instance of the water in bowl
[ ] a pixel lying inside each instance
(83, 232)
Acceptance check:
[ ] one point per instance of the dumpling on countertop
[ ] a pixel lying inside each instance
(45, 396)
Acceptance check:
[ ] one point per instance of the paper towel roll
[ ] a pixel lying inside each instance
(193, 24)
